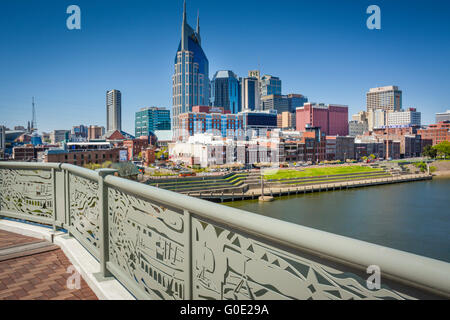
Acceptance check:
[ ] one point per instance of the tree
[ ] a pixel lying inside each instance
(443, 149)
(162, 154)
(126, 169)
(372, 156)
(429, 152)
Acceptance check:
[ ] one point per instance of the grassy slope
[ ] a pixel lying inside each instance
(313, 172)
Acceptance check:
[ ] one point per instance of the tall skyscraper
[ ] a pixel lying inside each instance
(2, 137)
(270, 85)
(150, 119)
(113, 110)
(385, 98)
(225, 91)
(250, 96)
(190, 81)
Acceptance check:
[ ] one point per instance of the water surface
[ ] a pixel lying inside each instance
(413, 216)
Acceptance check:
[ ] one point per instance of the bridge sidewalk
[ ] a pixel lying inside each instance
(35, 269)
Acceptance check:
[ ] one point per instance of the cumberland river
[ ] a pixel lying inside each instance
(413, 216)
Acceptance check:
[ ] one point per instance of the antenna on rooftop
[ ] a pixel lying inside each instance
(33, 120)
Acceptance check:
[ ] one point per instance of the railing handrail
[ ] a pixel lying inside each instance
(29, 165)
(418, 271)
(404, 266)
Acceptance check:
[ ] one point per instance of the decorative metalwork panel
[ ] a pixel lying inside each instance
(147, 241)
(84, 209)
(27, 192)
(227, 265)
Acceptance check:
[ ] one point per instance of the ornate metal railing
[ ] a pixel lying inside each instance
(164, 245)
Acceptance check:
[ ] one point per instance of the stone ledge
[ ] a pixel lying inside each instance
(82, 260)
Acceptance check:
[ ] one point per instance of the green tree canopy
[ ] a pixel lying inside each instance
(443, 149)
(429, 152)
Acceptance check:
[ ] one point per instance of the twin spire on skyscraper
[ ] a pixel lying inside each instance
(187, 31)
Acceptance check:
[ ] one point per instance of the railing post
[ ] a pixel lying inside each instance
(54, 198)
(188, 292)
(104, 221)
(67, 201)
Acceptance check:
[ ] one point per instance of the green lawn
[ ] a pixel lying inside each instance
(313, 172)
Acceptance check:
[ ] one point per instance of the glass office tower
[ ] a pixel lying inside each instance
(225, 91)
(150, 119)
(190, 81)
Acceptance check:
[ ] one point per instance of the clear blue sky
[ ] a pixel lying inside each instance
(322, 49)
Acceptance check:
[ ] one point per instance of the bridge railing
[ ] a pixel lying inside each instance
(164, 245)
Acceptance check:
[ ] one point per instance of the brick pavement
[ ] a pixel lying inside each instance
(39, 276)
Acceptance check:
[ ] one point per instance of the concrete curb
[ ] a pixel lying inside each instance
(82, 260)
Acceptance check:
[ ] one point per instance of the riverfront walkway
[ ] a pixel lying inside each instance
(34, 269)
(279, 191)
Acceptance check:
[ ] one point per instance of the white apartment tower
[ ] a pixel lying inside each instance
(113, 110)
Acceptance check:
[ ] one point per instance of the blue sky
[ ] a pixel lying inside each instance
(321, 49)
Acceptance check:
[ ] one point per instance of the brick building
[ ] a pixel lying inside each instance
(332, 119)
(27, 152)
(340, 148)
(82, 157)
(149, 155)
(437, 133)
(136, 146)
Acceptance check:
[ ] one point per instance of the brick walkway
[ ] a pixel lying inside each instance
(32, 270)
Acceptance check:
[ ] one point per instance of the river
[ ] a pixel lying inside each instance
(413, 216)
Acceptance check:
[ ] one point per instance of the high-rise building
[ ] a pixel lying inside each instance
(360, 116)
(250, 96)
(283, 103)
(259, 120)
(2, 141)
(385, 98)
(254, 74)
(377, 118)
(150, 119)
(356, 128)
(190, 81)
(443, 116)
(288, 120)
(296, 101)
(59, 136)
(113, 110)
(332, 119)
(95, 132)
(213, 120)
(225, 91)
(80, 131)
(359, 124)
(276, 102)
(410, 117)
(270, 85)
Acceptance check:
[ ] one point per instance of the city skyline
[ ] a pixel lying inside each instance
(68, 73)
